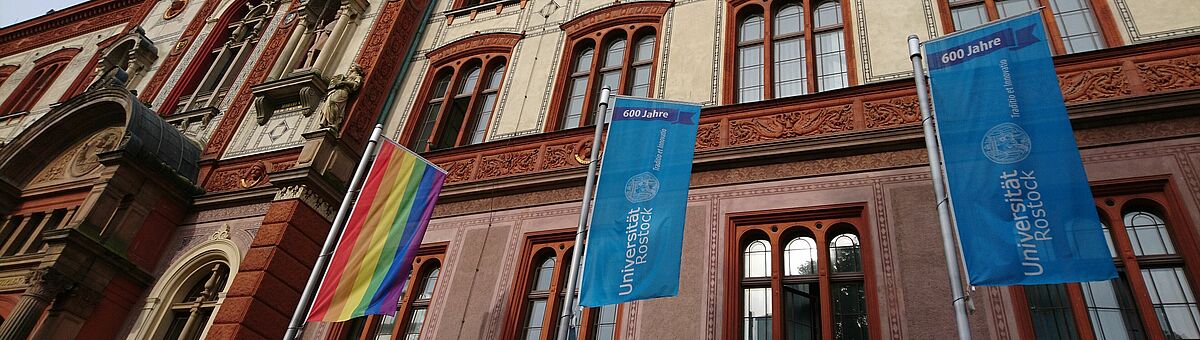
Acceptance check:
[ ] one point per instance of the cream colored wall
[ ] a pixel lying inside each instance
(165, 34)
(86, 42)
(886, 24)
(1147, 20)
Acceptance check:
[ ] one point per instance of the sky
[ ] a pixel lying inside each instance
(14, 11)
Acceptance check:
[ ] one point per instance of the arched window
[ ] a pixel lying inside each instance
(618, 54)
(541, 286)
(461, 93)
(1153, 294)
(40, 79)
(1078, 27)
(191, 312)
(780, 43)
(206, 83)
(798, 296)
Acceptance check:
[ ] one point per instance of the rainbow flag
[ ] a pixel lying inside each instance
(375, 254)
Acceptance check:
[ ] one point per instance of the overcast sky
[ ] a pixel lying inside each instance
(14, 11)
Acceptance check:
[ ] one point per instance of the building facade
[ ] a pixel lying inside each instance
(170, 168)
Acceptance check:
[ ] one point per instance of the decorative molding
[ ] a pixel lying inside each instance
(247, 175)
(891, 112)
(222, 233)
(615, 15)
(304, 194)
(474, 45)
(790, 125)
(71, 22)
(1171, 74)
(164, 71)
(1093, 84)
(80, 160)
(174, 9)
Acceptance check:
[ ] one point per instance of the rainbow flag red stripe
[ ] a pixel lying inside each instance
(375, 254)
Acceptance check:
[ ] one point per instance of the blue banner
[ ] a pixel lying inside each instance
(636, 234)
(1021, 198)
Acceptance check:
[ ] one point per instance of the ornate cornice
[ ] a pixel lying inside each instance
(474, 45)
(623, 13)
(66, 23)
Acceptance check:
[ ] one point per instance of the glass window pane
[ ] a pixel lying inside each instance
(1148, 234)
(1050, 310)
(640, 86)
(429, 282)
(790, 69)
(751, 28)
(831, 61)
(1077, 25)
(1108, 239)
(1009, 8)
(800, 256)
(614, 54)
(1111, 310)
(645, 49)
(1173, 301)
(483, 115)
(968, 16)
(584, 61)
(605, 323)
(756, 314)
(543, 275)
(415, 323)
(849, 311)
(537, 313)
(467, 85)
(789, 20)
(802, 311)
(383, 331)
(575, 98)
(750, 74)
(757, 259)
(844, 254)
(828, 13)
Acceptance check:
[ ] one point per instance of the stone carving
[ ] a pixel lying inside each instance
(125, 61)
(85, 159)
(167, 67)
(1093, 84)
(561, 156)
(892, 112)
(380, 69)
(254, 175)
(508, 163)
(341, 87)
(46, 283)
(789, 125)
(1171, 74)
(459, 171)
(708, 136)
(174, 9)
(306, 195)
(222, 233)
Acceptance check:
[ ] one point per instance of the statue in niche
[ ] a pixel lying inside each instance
(341, 87)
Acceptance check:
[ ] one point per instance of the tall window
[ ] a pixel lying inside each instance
(775, 42)
(800, 280)
(1076, 20)
(35, 84)
(409, 320)
(618, 54)
(459, 104)
(542, 288)
(622, 68)
(1153, 294)
(207, 82)
(191, 312)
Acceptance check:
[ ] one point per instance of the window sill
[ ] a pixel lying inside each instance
(471, 11)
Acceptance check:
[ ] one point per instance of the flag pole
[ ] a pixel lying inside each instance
(568, 311)
(295, 328)
(939, 189)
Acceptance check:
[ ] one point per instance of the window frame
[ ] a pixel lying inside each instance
(38, 81)
(1107, 26)
(488, 51)
(630, 21)
(829, 222)
(1113, 199)
(768, 9)
(199, 68)
(366, 327)
(537, 247)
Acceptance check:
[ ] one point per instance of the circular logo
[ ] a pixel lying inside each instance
(641, 187)
(1006, 143)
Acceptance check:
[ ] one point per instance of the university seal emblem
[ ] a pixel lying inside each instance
(1006, 143)
(641, 187)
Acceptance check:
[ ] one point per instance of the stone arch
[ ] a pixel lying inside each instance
(152, 321)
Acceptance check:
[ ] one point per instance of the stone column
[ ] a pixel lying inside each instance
(44, 285)
(331, 44)
(285, 57)
(306, 41)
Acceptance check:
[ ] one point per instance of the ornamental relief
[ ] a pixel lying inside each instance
(892, 112)
(81, 160)
(1171, 74)
(790, 125)
(508, 163)
(459, 171)
(1094, 84)
(708, 136)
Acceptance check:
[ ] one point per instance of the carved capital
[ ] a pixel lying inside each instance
(305, 194)
(46, 283)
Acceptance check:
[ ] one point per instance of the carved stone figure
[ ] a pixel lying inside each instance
(341, 87)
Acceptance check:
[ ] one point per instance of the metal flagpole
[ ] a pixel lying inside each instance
(568, 311)
(335, 232)
(939, 190)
